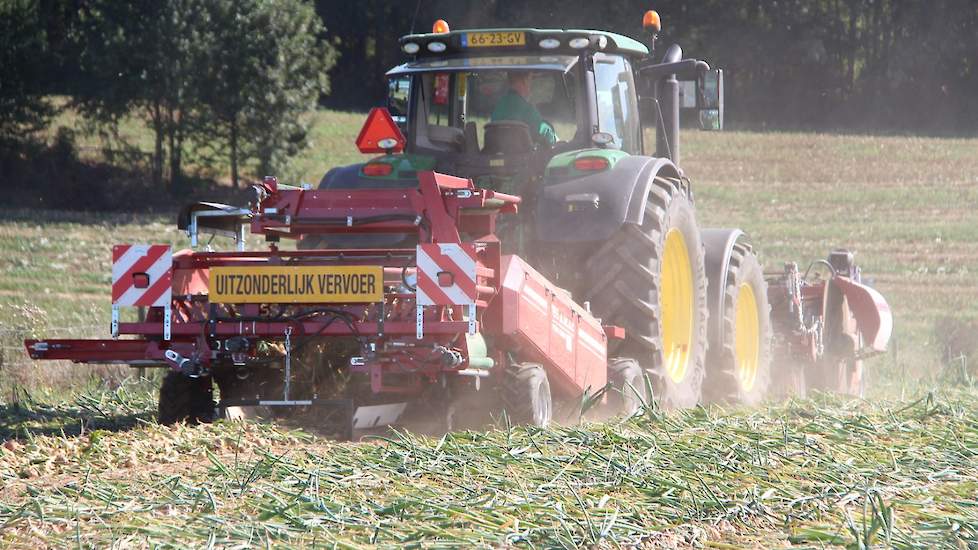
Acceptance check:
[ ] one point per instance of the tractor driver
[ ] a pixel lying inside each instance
(515, 105)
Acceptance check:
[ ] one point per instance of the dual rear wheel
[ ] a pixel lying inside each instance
(526, 398)
(651, 279)
(739, 359)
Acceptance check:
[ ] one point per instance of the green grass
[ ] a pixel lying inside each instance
(814, 473)
(331, 143)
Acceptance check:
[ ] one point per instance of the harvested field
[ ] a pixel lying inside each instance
(814, 473)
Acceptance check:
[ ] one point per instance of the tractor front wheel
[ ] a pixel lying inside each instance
(651, 279)
(185, 399)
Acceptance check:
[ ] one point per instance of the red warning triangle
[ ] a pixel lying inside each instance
(379, 126)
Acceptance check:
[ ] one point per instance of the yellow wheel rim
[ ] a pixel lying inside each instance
(676, 299)
(747, 334)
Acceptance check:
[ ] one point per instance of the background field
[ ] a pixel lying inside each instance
(92, 468)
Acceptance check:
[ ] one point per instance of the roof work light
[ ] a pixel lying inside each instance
(440, 27)
(651, 21)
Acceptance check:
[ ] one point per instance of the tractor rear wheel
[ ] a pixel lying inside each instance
(628, 392)
(651, 279)
(739, 365)
(185, 399)
(525, 394)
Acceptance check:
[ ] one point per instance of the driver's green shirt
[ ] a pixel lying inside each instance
(512, 106)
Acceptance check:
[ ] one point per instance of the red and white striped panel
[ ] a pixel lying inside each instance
(458, 260)
(149, 266)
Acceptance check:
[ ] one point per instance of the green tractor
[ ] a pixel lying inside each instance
(607, 215)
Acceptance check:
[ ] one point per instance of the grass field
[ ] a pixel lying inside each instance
(896, 471)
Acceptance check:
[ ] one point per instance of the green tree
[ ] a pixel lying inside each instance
(23, 47)
(266, 65)
(141, 57)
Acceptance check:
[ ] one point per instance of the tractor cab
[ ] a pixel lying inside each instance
(555, 116)
(512, 109)
(572, 91)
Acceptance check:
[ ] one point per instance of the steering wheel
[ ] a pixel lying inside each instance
(552, 129)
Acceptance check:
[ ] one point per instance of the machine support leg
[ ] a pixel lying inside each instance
(239, 238)
(472, 318)
(419, 322)
(288, 364)
(115, 321)
(167, 319)
(380, 320)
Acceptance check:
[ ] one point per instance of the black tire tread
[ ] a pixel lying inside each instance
(516, 392)
(626, 377)
(721, 380)
(622, 287)
(185, 399)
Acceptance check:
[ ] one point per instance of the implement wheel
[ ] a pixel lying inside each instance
(843, 376)
(650, 278)
(628, 392)
(525, 394)
(255, 383)
(184, 399)
(839, 370)
(739, 362)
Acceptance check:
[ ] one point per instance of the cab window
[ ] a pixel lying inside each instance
(398, 98)
(452, 101)
(441, 112)
(549, 94)
(615, 95)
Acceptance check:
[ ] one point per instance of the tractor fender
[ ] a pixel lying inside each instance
(718, 245)
(349, 177)
(591, 208)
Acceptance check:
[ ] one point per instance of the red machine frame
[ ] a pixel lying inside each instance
(396, 335)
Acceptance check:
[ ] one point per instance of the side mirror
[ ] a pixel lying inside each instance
(398, 94)
(705, 96)
(710, 89)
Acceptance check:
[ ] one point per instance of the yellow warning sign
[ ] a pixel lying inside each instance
(287, 284)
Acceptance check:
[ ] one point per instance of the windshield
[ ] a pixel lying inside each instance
(452, 108)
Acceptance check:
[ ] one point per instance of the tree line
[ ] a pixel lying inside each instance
(867, 65)
(228, 80)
